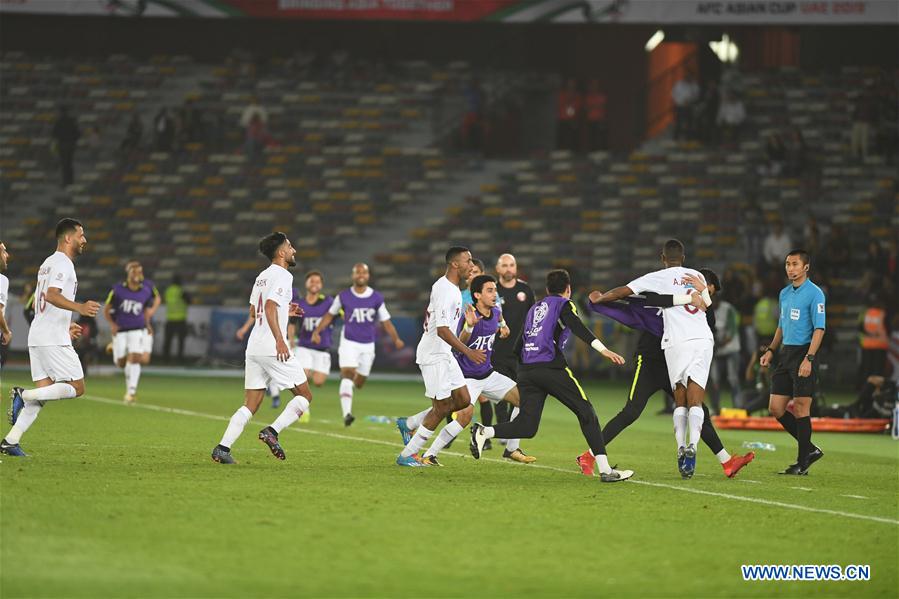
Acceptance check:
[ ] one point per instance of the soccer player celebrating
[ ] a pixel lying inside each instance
(651, 374)
(55, 367)
(544, 371)
(443, 378)
(129, 307)
(268, 358)
(315, 357)
(800, 330)
(688, 344)
(483, 321)
(5, 332)
(363, 308)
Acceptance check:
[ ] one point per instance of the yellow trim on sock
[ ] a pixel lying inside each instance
(579, 388)
(630, 395)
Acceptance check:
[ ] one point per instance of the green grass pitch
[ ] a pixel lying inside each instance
(119, 501)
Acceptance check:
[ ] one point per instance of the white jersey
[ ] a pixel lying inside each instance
(444, 310)
(51, 324)
(274, 283)
(682, 323)
(4, 294)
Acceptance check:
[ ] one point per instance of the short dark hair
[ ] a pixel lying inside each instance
(269, 244)
(315, 273)
(673, 250)
(453, 252)
(557, 281)
(67, 225)
(479, 263)
(803, 255)
(477, 283)
(711, 278)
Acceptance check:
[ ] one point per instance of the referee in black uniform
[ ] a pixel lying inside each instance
(795, 376)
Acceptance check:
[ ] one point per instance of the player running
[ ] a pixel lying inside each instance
(363, 308)
(315, 357)
(442, 375)
(483, 321)
(544, 371)
(688, 344)
(651, 375)
(129, 307)
(55, 367)
(268, 357)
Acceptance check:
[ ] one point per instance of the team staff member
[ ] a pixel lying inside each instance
(800, 330)
(515, 299)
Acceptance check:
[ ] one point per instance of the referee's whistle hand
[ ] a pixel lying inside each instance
(765, 360)
(805, 369)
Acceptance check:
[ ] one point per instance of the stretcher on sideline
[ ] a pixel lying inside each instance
(821, 425)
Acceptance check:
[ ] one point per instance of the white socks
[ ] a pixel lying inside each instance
(680, 426)
(413, 422)
(26, 417)
(235, 426)
(602, 462)
(418, 440)
(346, 396)
(449, 432)
(723, 456)
(695, 416)
(292, 412)
(50, 392)
(132, 376)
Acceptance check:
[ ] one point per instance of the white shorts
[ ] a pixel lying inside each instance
(441, 378)
(315, 360)
(494, 387)
(262, 370)
(58, 363)
(148, 342)
(128, 342)
(360, 356)
(690, 360)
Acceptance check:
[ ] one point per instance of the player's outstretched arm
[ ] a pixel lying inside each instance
(391, 330)
(324, 323)
(478, 356)
(598, 297)
(54, 296)
(107, 314)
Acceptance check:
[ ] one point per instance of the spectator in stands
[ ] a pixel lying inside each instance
(874, 338)
(775, 156)
(875, 276)
(797, 153)
(864, 116)
(133, 135)
(253, 109)
(193, 129)
(731, 116)
(164, 130)
(707, 113)
(595, 113)
(66, 135)
(836, 252)
(473, 121)
(727, 360)
(776, 246)
(177, 301)
(568, 105)
(257, 138)
(685, 94)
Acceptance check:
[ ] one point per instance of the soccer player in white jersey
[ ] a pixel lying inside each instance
(268, 357)
(55, 367)
(5, 332)
(444, 382)
(687, 341)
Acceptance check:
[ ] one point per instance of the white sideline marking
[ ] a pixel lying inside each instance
(757, 500)
(746, 480)
(855, 496)
(802, 488)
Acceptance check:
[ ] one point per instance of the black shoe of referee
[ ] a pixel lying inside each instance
(815, 455)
